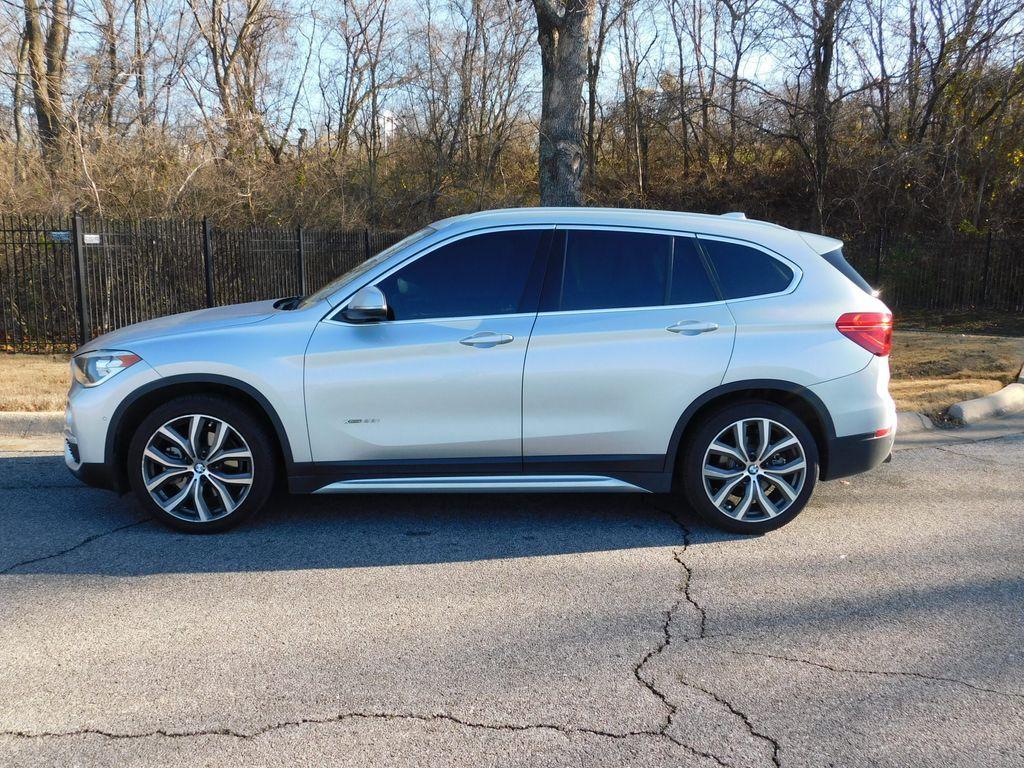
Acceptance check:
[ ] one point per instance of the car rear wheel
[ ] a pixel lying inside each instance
(750, 467)
(201, 464)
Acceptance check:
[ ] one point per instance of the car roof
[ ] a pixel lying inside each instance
(728, 225)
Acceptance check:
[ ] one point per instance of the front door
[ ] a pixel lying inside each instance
(630, 332)
(440, 384)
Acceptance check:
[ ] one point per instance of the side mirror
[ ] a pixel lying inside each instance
(367, 306)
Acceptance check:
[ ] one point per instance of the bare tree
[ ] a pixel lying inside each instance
(47, 33)
(563, 30)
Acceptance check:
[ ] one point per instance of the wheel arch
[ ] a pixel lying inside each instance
(804, 403)
(133, 409)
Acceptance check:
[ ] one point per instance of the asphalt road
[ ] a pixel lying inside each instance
(885, 626)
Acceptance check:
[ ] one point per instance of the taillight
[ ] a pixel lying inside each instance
(872, 330)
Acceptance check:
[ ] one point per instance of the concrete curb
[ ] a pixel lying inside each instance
(31, 423)
(911, 422)
(1010, 399)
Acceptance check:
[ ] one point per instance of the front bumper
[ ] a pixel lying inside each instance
(87, 417)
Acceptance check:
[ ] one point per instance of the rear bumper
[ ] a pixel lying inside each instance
(855, 454)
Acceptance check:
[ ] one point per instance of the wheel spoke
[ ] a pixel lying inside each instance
(741, 509)
(763, 501)
(764, 431)
(233, 453)
(174, 502)
(786, 469)
(162, 458)
(242, 478)
(219, 435)
(787, 490)
(225, 496)
(172, 434)
(195, 435)
(197, 497)
(727, 450)
(163, 477)
(718, 473)
(726, 491)
(786, 442)
(740, 436)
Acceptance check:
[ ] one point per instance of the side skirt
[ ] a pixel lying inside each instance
(547, 474)
(484, 484)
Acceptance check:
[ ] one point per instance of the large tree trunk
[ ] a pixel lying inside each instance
(563, 35)
(47, 57)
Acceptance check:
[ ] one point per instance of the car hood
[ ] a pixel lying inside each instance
(184, 323)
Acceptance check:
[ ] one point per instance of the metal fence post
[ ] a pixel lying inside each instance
(988, 265)
(366, 243)
(208, 261)
(878, 258)
(301, 252)
(82, 278)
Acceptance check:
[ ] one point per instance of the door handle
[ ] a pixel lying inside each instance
(692, 327)
(486, 339)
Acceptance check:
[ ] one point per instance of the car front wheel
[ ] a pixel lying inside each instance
(201, 464)
(750, 467)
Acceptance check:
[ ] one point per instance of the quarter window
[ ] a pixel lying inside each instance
(744, 271)
(480, 275)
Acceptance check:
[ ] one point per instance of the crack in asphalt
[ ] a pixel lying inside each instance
(878, 672)
(688, 597)
(73, 547)
(565, 730)
(979, 459)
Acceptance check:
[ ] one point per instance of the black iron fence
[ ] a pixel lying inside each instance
(66, 280)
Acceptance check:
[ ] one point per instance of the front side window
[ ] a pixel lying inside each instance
(476, 276)
(364, 267)
(744, 271)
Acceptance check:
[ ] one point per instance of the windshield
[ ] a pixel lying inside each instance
(364, 267)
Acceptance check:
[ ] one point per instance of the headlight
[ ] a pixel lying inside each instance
(93, 368)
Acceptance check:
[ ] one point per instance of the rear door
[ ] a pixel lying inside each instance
(630, 332)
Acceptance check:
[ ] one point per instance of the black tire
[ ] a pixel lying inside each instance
(247, 433)
(692, 463)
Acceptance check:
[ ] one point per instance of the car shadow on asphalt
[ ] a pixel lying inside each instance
(50, 523)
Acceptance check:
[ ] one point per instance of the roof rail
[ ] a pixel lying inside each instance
(740, 215)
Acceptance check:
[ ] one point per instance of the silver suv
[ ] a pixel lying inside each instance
(731, 362)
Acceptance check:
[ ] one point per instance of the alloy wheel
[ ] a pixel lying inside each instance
(197, 468)
(754, 469)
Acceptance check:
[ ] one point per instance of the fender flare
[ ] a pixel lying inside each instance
(778, 385)
(194, 378)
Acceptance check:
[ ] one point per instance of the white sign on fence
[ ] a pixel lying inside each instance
(91, 239)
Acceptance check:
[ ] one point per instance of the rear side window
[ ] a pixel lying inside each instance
(481, 275)
(689, 282)
(744, 271)
(606, 269)
(837, 260)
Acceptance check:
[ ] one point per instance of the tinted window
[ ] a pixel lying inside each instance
(482, 275)
(836, 259)
(744, 271)
(605, 269)
(689, 280)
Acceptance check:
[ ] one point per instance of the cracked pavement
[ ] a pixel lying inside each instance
(885, 626)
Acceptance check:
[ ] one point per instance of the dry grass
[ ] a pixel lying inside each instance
(930, 372)
(33, 382)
